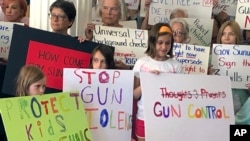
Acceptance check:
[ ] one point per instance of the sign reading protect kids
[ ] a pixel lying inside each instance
(130, 44)
(54, 117)
(232, 61)
(107, 98)
(180, 110)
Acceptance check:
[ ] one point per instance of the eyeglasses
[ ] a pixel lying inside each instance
(178, 33)
(58, 17)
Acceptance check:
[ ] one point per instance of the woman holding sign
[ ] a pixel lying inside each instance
(159, 59)
(230, 33)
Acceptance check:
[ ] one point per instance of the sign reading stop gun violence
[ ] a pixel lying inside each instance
(201, 110)
(160, 10)
(243, 14)
(107, 97)
(193, 58)
(130, 44)
(54, 117)
(232, 61)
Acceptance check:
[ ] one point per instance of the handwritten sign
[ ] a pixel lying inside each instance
(50, 51)
(130, 44)
(194, 58)
(134, 4)
(232, 61)
(57, 116)
(6, 29)
(200, 31)
(160, 10)
(227, 6)
(202, 110)
(243, 14)
(107, 97)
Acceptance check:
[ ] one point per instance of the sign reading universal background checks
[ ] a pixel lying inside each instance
(107, 97)
(130, 44)
(201, 111)
(54, 117)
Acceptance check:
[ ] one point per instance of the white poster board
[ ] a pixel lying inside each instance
(130, 44)
(227, 6)
(243, 14)
(107, 96)
(160, 10)
(194, 58)
(232, 61)
(178, 110)
(6, 30)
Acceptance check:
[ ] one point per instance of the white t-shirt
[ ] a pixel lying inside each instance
(146, 64)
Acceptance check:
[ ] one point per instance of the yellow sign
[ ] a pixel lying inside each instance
(52, 117)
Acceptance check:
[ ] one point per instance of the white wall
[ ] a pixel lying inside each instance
(39, 10)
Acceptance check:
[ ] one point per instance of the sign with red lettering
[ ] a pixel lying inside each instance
(201, 110)
(232, 61)
(50, 51)
(243, 14)
(107, 97)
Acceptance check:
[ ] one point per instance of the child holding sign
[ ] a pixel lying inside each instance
(159, 59)
(30, 81)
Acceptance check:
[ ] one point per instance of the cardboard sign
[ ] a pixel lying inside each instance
(6, 30)
(193, 58)
(227, 6)
(178, 110)
(130, 44)
(107, 96)
(50, 51)
(243, 14)
(160, 10)
(54, 117)
(232, 61)
(200, 31)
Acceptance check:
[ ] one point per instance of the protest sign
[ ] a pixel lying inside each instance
(56, 116)
(193, 58)
(107, 97)
(178, 110)
(50, 51)
(232, 61)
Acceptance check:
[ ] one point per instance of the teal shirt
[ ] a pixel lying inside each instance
(241, 103)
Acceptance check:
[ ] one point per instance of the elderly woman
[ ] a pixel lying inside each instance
(180, 30)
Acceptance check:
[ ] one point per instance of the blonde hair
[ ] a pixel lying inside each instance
(235, 28)
(28, 75)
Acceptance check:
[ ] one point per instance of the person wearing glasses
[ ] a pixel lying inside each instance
(62, 16)
(180, 30)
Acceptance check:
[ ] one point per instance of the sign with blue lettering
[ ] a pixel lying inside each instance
(232, 61)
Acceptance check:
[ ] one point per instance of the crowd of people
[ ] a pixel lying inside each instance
(159, 53)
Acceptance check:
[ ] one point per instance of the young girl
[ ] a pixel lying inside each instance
(102, 57)
(30, 81)
(159, 59)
